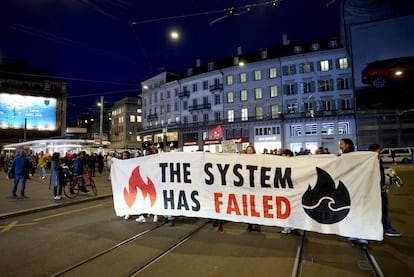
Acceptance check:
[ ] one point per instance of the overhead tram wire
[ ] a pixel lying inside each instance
(239, 10)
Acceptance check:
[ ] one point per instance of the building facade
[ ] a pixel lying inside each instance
(125, 124)
(291, 96)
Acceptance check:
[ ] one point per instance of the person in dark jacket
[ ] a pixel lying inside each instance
(21, 166)
(386, 219)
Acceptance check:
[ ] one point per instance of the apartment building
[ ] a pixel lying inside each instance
(290, 96)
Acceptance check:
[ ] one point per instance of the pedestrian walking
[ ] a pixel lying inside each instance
(21, 166)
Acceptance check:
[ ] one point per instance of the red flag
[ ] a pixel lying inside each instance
(216, 133)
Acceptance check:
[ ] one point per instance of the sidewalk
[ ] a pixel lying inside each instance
(39, 197)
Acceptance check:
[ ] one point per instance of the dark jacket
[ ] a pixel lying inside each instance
(21, 165)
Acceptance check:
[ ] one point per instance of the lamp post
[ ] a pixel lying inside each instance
(100, 124)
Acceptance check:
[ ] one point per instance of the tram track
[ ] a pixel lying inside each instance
(123, 247)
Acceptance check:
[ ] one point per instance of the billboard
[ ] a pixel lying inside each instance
(37, 113)
(383, 57)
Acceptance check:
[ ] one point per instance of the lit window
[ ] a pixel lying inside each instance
(257, 75)
(230, 115)
(258, 94)
(230, 97)
(243, 77)
(229, 80)
(243, 95)
(244, 114)
(272, 72)
(273, 91)
(324, 65)
(343, 63)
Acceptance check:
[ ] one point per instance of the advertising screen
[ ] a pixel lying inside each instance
(383, 55)
(38, 113)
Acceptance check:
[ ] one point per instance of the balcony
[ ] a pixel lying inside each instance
(183, 94)
(200, 107)
(216, 88)
(153, 116)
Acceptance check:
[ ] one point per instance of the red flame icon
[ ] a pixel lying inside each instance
(135, 181)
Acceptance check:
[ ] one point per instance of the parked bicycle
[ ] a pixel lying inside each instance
(72, 186)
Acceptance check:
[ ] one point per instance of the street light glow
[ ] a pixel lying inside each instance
(174, 35)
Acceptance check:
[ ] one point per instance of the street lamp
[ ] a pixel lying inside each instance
(101, 104)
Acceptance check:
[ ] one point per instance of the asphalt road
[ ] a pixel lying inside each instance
(49, 241)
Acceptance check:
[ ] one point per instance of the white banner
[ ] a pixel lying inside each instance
(322, 193)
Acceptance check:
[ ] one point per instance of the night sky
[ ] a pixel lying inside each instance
(107, 47)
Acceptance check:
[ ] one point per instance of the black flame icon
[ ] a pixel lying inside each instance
(324, 203)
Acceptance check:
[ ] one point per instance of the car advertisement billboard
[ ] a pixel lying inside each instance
(37, 113)
(383, 60)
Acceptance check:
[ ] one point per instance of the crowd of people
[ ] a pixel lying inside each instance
(23, 166)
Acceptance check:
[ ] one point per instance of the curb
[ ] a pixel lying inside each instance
(51, 206)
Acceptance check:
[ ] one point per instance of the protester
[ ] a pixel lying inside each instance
(21, 166)
(141, 219)
(386, 220)
(42, 162)
(287, 153)
(346, 145)
(251, 150)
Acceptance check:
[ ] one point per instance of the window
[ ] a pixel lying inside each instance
(132, 118)
(345, 104)
(195, 87)
(259, 113)
(324, 65)
(306, 67)
(244, 114)
(168, 94)
(205, 85)
(343, 83)
(230, 97)
(326, 105)
(295, 130)
(229, 80)
(243, 95)
(272, 72)
(311, 129)
(343, 63)
(307, 87)
(210, 66)
(289, 69)
(275, 111)
(217, 116)
(230, 115)
(291, 108)
(257, 75)
(290, 89)
(243, 77)
(324, 85)
(185, 105)
(205, 117)
(258, 94)
(176, 106)
(327, 128)
(273, 91)
(307, 107)
(344, 128)
(195, 118)
(216, 99)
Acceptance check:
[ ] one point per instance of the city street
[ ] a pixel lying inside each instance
(52, 238)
